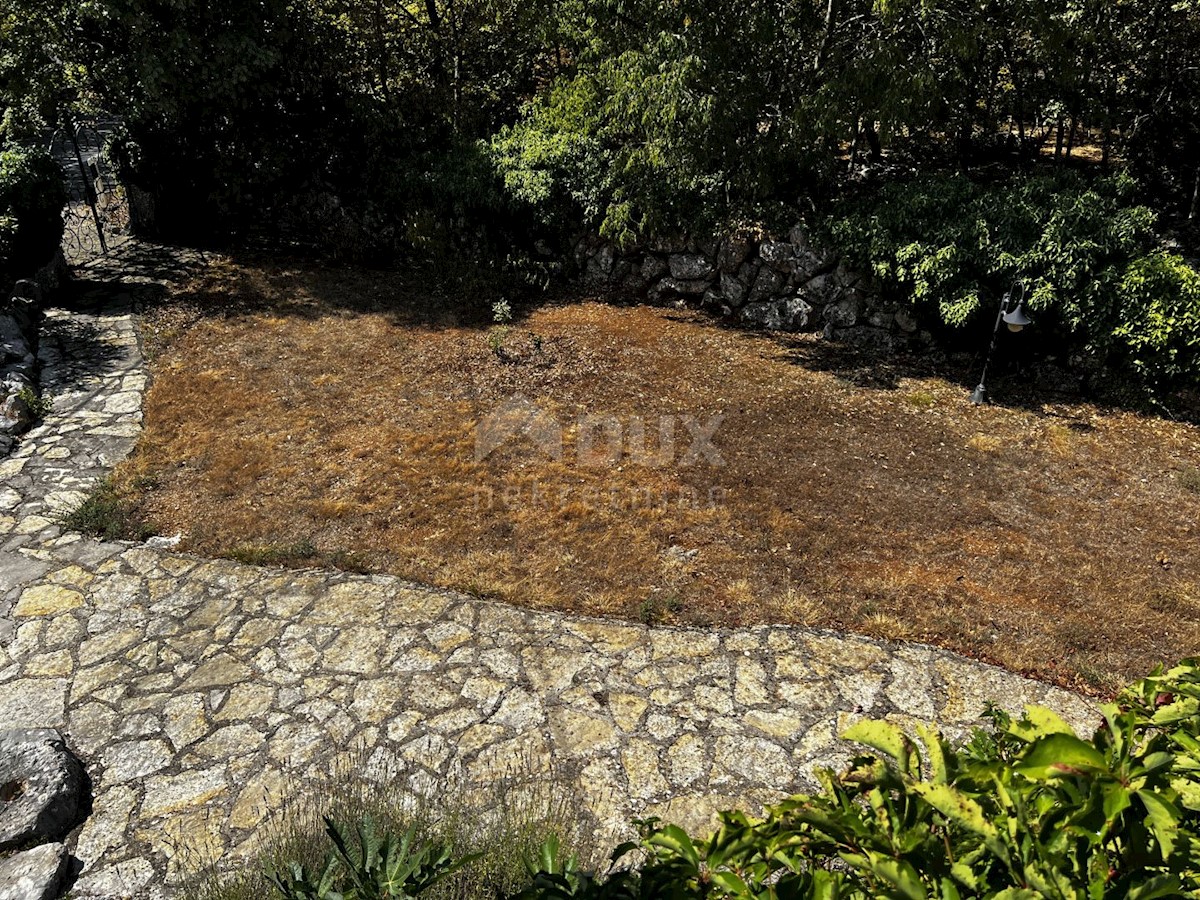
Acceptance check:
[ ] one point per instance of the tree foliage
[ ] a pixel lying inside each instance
(373, 127)
(31, 203)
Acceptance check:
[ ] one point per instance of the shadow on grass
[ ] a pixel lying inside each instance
(459, 294)
(1020, 376)
(435, 296)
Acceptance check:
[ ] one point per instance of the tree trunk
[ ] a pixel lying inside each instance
(873, 142)
(381, 61)
(1195, 210)
(831, 14)
(1020, 111)
(854, 146)
(456, 76)
(435, 19)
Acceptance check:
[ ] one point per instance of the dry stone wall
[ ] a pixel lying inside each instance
(20, 317)
(18, 361)
(791, 284)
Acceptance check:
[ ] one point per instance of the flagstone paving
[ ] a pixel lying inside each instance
(195, 690)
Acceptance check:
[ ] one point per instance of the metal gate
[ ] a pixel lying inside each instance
(97, 212)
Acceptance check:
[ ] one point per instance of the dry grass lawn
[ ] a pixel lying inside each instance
(306, 416)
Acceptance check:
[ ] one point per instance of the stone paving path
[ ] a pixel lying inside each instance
(195, 691)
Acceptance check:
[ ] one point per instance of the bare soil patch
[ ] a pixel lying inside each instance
(304, 416)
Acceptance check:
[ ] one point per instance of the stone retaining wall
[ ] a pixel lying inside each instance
(778, 285)
(20, 318)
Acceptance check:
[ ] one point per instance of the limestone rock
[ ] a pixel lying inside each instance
(807, 258)
(671, 286)
(690, 267)
(653, 268)
(732, 253)
(820, 290)
(767, 285)
(779, 315)
(15, 415)
(40, 784)
(864, 337)
(33, 874)
(600, 264)
(845, 312)
(733, 291)
(779, 255)
(906, 321)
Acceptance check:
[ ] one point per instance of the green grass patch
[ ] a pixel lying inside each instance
(1189, 480)
(921, 400)
(109, 515)
(274, 554)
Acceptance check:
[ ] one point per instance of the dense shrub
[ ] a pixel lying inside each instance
(350, 127)
(31, 206)
(1085, 249)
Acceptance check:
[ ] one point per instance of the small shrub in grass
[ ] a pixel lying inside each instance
(655, 610)
(1189, 480)
(1023, 811)
(108, 515)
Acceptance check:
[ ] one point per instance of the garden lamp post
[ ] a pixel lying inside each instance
(1011, 314)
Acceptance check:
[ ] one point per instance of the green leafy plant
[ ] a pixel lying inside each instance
(494, 826)
(40, 405)
(656, 609)
(498, 333)
(502, 312)
(365, 865)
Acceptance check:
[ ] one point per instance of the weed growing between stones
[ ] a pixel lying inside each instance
(108, 515)
(655, 609)
(39, 404)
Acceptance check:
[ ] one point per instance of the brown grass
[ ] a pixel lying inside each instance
(336, 411)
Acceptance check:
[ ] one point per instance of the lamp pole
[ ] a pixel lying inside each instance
(1011, 314)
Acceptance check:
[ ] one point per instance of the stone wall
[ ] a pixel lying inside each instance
(20, 317)
(778, 285)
